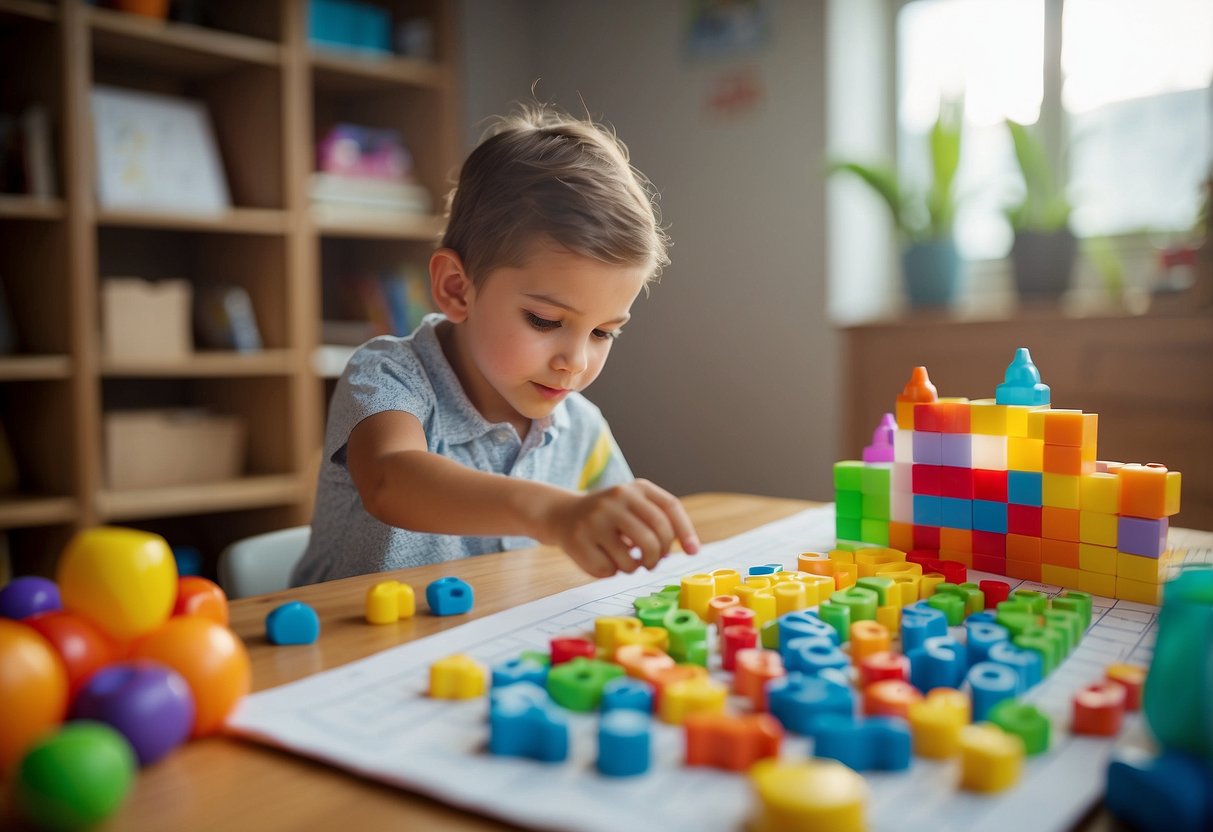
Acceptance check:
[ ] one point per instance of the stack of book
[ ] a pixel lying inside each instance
(365, 174)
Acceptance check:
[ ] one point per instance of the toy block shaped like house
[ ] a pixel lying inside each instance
(1010, 486)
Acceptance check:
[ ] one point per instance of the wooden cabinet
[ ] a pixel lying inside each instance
(1150, 379)
(270, 95)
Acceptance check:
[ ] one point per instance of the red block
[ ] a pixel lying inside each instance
(922, 557)
(1023, 520)
(942, 417)
(990, 563)
(926, 537)
(883, 665)
(990, 485)
(567, 649)
(989, 543)
(956, 482)
(924, 479)
(953, 572)
(734, 638)
(736, 616)
(1099, 709)
(995, 591)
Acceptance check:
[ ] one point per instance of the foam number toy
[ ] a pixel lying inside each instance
(123, 580)
(212, 659)
(33, 690)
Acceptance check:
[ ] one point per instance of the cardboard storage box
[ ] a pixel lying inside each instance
(152, 448)
(142, 319)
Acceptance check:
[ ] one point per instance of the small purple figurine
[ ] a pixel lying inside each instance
(881, 449)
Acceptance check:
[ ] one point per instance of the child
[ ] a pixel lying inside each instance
(471, 435)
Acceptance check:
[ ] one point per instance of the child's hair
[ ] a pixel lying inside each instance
(542, 173)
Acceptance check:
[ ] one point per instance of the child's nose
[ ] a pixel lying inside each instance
(571, 358)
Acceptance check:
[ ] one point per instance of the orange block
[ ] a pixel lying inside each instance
(964, 556)
(1059, 523)
(1058, 552)
(752, 670)
(901, 536)
(890, 697)
(1143, 491)
(1023, 570)
(1024, 547)
(1069, 459)
(1071, 427)
(957, 540)
(732, 743)
(642, 661)
(1060, 575)
(868, 637)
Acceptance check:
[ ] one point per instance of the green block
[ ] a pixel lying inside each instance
(1037, 601)
(969, 593)
(951, 604)
(652, 609)
(672, 591)
(1073, 599)
(860, 600)
(848, 504)
(1070, 620)
(875, 532)
(1061, 633)
(878, 584)
(697, 653)
(535, 656)
(685, 628)
(853, 544)
(876, 478)
(769, 634)
(577, 684)
(847, 528)
(848, 475)
(875, 506)
(837, 616)
(1039, 640)
(1016, 616)
(1023, 720)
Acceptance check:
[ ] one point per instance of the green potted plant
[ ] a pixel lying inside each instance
(1044, 248)
(931, 264)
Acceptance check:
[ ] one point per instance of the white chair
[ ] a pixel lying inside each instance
(262, 563)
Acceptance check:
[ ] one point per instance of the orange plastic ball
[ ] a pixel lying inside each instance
(211, 658)
(82, 648)
(198, 596)
(33, 690)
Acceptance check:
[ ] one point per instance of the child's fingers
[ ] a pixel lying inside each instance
(652, 544)
(684, 529)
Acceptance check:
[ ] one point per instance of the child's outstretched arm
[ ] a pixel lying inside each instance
(402, 484)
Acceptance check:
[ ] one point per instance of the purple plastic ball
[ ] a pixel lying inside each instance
(29, 595)
(148, 703)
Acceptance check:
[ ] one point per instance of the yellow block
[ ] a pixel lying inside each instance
(758, 582)
(988, 418)
(1017, 419)
(868, 560)
(1139, 591)
(701, 695)
(842, 556)
(1024, 454)
(1098, 528)
(1097, 583)
(817, 587)
(658, 637)
(695, 592)
(609, 631)
(808, 796)
(845, 575)
(1139, 568)
(761, 600)
(1059, 575)
(1099, 492)
(457, 677)
(990, 759)
(726, 580)
(789, 597)
(1059, 490)
(907, 586)
(1101, 559)
(1036, 424)
(936, 722)
(389, 601)
(904, 413)
(926, 587)
(1171, 498)
(890, 616)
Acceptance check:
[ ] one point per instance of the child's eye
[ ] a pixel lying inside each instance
(606, 335)
(541, 324)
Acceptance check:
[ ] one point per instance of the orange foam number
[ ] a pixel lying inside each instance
(733, 743)
(754, 668)
(33, 690)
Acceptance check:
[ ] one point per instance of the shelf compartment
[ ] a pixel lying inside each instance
(203, 364)
(409, 228)
(17, 207)
(228, 495)
(236, 221)
(22, 511)
(28, 9)
(181, 48)
(37, 418)
(336, 71)
(35, 367)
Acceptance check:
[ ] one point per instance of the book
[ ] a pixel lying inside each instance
(224, 319)
(401, 195)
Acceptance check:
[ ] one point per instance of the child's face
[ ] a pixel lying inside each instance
(536, 332)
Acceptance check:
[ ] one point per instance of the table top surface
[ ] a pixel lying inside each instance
(229, 784)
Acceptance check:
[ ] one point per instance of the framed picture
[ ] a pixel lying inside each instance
(156, 152)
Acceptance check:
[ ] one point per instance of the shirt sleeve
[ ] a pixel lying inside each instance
(605, 465)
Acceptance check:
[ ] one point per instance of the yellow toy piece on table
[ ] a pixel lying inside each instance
(990, 759)
(457, 677)
(390, 601)
(812, 796)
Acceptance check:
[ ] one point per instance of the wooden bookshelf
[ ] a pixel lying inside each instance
(270, 95)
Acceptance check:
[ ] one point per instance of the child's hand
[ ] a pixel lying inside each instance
(599, 530)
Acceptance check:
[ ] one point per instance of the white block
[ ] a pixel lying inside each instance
(990, 452)
(903, 446)
(901, 506)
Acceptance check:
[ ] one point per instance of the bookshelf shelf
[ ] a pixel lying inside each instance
(35, 367)
(205, 365)
(29, 9)
(228, 495)
(182, 48)
(407, 228)
(24, 511)
(235, 221)
(339, 71)
(31, 208)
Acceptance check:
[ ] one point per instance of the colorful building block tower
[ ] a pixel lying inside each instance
(1011, 486)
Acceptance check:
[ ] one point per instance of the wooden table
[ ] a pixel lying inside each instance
(226, 784)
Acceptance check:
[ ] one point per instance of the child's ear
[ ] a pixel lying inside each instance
(450, 285)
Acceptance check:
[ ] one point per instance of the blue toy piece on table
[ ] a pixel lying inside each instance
(292, 623)
(624, 741)
(524, 722)
(449, 596)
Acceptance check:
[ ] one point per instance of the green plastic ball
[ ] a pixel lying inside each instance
(75, 777)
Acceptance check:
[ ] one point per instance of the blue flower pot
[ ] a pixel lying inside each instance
(932, 271)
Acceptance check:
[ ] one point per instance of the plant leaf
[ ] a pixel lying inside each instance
(945, 159)
(883, 180)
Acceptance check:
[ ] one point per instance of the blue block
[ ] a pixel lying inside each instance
(798, 700)
(812, 654)
(802, 624)
(1024, 488)
(927, 448)
(956, 450)
(520, 669)
(890, 738)
(983, 617)
(990, 516)
(1169, 793)
(766, 569)
(292, 623)
(938, 663)
(1021, 382)
(927, 510)
(980, 636)
(955, 513)
(873, 744)
(624, 740)
(989, 684)
(524, 722)
(920, 622)
(627, 694)
(449, 596)
(1026, 663)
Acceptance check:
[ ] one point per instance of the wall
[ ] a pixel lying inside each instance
(726, 379)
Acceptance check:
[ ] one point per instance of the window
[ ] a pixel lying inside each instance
(1119, 91)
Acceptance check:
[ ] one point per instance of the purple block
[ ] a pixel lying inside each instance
(927, 448)
(29, 595)
(956, 450)
(1140, 536)
(148, 703)
(881, 449)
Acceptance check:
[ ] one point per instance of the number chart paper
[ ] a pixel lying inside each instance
(373, 717)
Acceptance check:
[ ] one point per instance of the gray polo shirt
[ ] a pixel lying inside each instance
(572, 448)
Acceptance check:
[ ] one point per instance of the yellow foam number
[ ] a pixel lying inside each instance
(697, 695)
(123, 580)
(936, 722)
(695, 593)
(990, 758)
(457, 677)
(390, 601)
(612, 631)
(810, 796)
